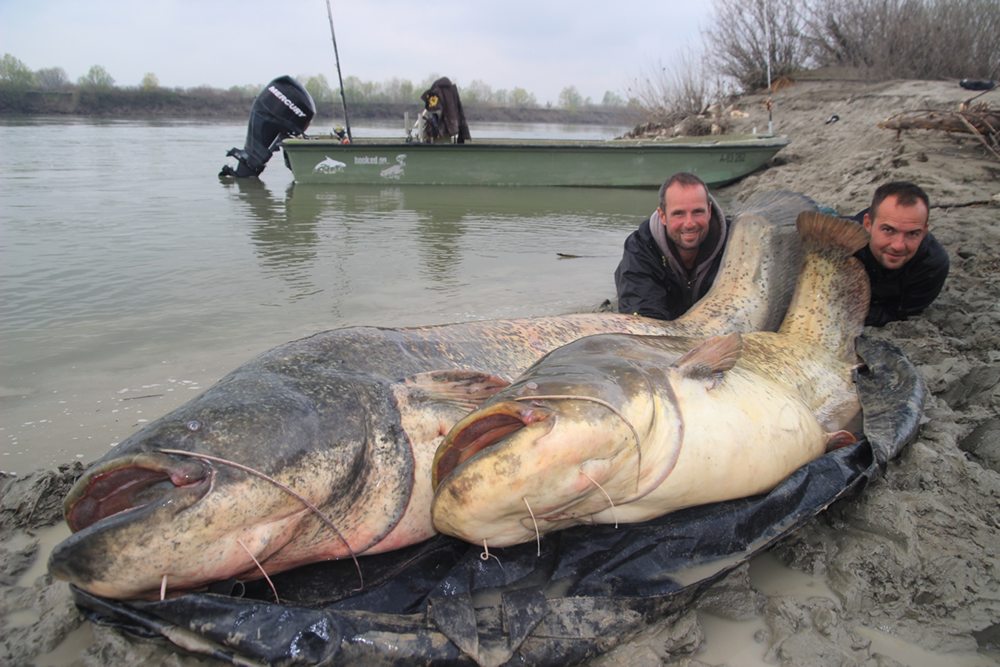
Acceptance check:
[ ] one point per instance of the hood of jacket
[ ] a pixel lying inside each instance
(713, 244)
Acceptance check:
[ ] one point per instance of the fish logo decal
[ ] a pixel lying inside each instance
(329, 166)
(395, 171)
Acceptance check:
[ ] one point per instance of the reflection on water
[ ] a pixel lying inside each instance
(442, 225)
(439, 247)
(286, 244)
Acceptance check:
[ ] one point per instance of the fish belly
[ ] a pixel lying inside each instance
(739, 439)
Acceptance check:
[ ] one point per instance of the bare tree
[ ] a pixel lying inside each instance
(982, 39)
(749, 38)
(922, 39)
(685, 87)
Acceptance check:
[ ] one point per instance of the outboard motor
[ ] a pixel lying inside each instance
(283, 109)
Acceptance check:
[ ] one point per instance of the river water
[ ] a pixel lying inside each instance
(133, 278)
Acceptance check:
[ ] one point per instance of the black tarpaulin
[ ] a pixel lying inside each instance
(579, 593)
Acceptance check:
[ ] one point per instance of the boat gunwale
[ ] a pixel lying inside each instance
(708, 143)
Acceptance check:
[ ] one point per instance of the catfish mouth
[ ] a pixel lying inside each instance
(134, 483)
(481, 430)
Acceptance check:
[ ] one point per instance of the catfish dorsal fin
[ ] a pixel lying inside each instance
(712, 358)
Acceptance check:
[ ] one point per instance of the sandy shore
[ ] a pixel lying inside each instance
(910, 569)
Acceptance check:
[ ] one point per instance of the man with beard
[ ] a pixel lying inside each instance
(671, 260)
(906, 265)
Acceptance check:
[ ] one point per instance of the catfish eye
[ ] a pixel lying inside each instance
(193, 425)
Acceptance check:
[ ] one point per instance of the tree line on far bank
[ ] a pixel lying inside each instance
(49, 90)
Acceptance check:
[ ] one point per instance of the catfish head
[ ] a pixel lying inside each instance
(221, 488)
(567, 443)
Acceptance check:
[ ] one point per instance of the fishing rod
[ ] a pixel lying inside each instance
(767, 33)
(340, 78)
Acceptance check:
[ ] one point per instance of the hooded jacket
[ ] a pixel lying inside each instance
(445, 116)
(904, 292)
(652, 281)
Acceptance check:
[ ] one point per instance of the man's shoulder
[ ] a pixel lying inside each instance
(640, 235)
(933, 254)
(933, 244)
(639, 251)
(872, 266)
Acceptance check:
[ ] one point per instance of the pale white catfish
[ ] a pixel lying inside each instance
(624, 428)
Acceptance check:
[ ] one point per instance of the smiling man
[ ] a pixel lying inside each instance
(671, 260)
(905, 263)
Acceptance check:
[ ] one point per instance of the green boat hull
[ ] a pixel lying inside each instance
(613, 163)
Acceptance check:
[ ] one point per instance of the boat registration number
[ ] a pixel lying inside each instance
(733, 157)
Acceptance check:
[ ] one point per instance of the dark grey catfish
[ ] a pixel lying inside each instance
(349, 421)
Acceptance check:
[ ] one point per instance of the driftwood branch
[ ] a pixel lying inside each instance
(983, 122)
(979, 120)
(979, 135)
(964, 204)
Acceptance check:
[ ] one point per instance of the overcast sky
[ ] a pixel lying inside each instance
(541, 45)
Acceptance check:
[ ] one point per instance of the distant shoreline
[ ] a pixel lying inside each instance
(222, 105)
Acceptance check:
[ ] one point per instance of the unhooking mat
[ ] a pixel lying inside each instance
(589, 588)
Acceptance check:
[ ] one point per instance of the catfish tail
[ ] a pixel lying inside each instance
(832, 296)
(759, 268)
(819, 231)
(780, 207)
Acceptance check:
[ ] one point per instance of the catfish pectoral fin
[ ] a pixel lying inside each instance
(464, 388)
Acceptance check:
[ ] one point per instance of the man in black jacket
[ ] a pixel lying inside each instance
(906, 265)
(671, 260)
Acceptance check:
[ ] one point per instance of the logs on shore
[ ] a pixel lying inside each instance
(979, 120)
